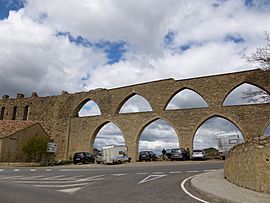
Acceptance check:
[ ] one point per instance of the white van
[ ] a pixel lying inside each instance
(115, 154)
(226, 141)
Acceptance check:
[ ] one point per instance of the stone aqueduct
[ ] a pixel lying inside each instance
(59, 114)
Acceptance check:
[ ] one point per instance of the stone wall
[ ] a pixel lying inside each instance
(59, 114)
(248, 164)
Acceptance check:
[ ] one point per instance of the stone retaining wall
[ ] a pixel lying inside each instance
(248, 165)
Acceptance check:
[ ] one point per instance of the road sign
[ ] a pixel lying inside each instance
(52, 147)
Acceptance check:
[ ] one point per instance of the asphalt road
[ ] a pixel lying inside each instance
(132, 182)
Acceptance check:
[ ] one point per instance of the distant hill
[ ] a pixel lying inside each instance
(211, 152)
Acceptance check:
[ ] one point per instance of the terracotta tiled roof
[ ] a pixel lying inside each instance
(8, 127)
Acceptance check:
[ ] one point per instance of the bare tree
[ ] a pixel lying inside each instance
(261, 56)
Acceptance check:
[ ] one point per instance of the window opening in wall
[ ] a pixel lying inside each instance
(25, 112)
(134, 104)
(216, 136)
(158, 135)
(246, 94)
(90, 108)
(267, 131)
(2, 113)
(14, 113)
(186, 99)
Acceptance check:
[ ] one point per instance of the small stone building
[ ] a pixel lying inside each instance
(13, 135)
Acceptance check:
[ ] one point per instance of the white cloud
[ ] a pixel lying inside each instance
(136, 103)
(34, 58)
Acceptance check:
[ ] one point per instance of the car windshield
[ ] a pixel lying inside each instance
(176, 150)
(144, 152)
(200, 151)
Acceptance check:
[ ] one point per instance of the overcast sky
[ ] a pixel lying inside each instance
(52, 45)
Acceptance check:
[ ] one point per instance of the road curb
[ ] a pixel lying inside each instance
(214, 186)
(208, 195)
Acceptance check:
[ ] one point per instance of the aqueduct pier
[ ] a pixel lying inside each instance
(59, 114)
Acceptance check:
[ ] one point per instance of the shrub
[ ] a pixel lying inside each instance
(35, 148)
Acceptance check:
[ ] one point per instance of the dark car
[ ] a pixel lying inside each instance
(83, 157)
(147, 156)
(169, 153)
(178, 154)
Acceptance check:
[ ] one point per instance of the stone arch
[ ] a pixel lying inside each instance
(240, 84)
(149, 122)
(123, 102)
(80, 106)
(180, 90)
(226, 117)
(97, 130)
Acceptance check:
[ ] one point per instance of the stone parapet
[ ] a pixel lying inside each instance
(248, 164)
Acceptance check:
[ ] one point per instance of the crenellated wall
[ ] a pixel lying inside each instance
(59, 114)
(248, 164)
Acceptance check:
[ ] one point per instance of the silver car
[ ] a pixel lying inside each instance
(198, 154)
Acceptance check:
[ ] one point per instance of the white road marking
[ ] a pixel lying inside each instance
(175, 172)
(60, 186)
(119, 174)
(98, 177)
(63, 181)
(141, 173)
(32, 169)
(1, 170)
(53, 177)
(151, 177)
(78, 169)
(48, 169)
(158, 172)
(192, 171)
(188, 193)
(10, 177)
(16, 169)
(70, 190)
(32, 177)
(209, 170)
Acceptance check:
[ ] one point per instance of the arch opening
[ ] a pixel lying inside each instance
(134, 104)
(156, 136)
(186, 99)
(267, 131)
(246, 94)
(89, 108)
(109, 134)
(2, 113)
(26, 112)
(213, 131)
(14, 112)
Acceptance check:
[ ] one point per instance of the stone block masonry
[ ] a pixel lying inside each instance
(59, 114)
(248, 164)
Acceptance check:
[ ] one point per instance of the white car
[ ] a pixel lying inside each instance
(198, 154)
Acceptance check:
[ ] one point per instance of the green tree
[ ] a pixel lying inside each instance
(35, 148)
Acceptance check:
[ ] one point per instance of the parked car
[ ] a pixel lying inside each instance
(178, 154)
(99, 158)
(198, 154)
(147, 156)
(83, 157)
